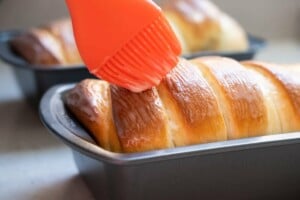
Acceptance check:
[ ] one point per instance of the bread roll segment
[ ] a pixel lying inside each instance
(90, 102)
(140, 120)
(192, 105)
(270, 95)
(199, 101)
(286, 93)
(239, 94)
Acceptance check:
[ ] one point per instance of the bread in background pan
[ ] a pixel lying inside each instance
(202, 100)
(200, 25)
(51, 44)
(63, 31)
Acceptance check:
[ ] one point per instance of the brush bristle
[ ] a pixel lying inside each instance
(145, 60)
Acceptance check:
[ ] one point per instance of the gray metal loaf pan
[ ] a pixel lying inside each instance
(265, 167)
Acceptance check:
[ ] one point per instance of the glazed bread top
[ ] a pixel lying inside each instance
(203, 100)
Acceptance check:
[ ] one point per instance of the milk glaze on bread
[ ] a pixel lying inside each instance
(201, 25)
(47, 45)
(202, 100)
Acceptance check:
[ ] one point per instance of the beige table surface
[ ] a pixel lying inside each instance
(34, 165)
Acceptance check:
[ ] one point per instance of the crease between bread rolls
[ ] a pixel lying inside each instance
(203, 100)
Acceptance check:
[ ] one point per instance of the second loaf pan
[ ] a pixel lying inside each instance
(264, 167)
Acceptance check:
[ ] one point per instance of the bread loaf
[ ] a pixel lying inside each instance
(200, 101)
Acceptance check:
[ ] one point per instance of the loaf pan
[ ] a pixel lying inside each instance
(266, 167)
(34, 80)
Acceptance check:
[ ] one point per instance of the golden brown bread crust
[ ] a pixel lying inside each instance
(287, 82)
(243, 104)
(90, 101)
(52, 44)
(200, 25)
(192, 105)
(140, 120)
(204, 100)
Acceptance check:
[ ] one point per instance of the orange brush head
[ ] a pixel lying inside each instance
(127, 43)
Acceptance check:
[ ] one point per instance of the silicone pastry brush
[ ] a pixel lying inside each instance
(125, 42)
